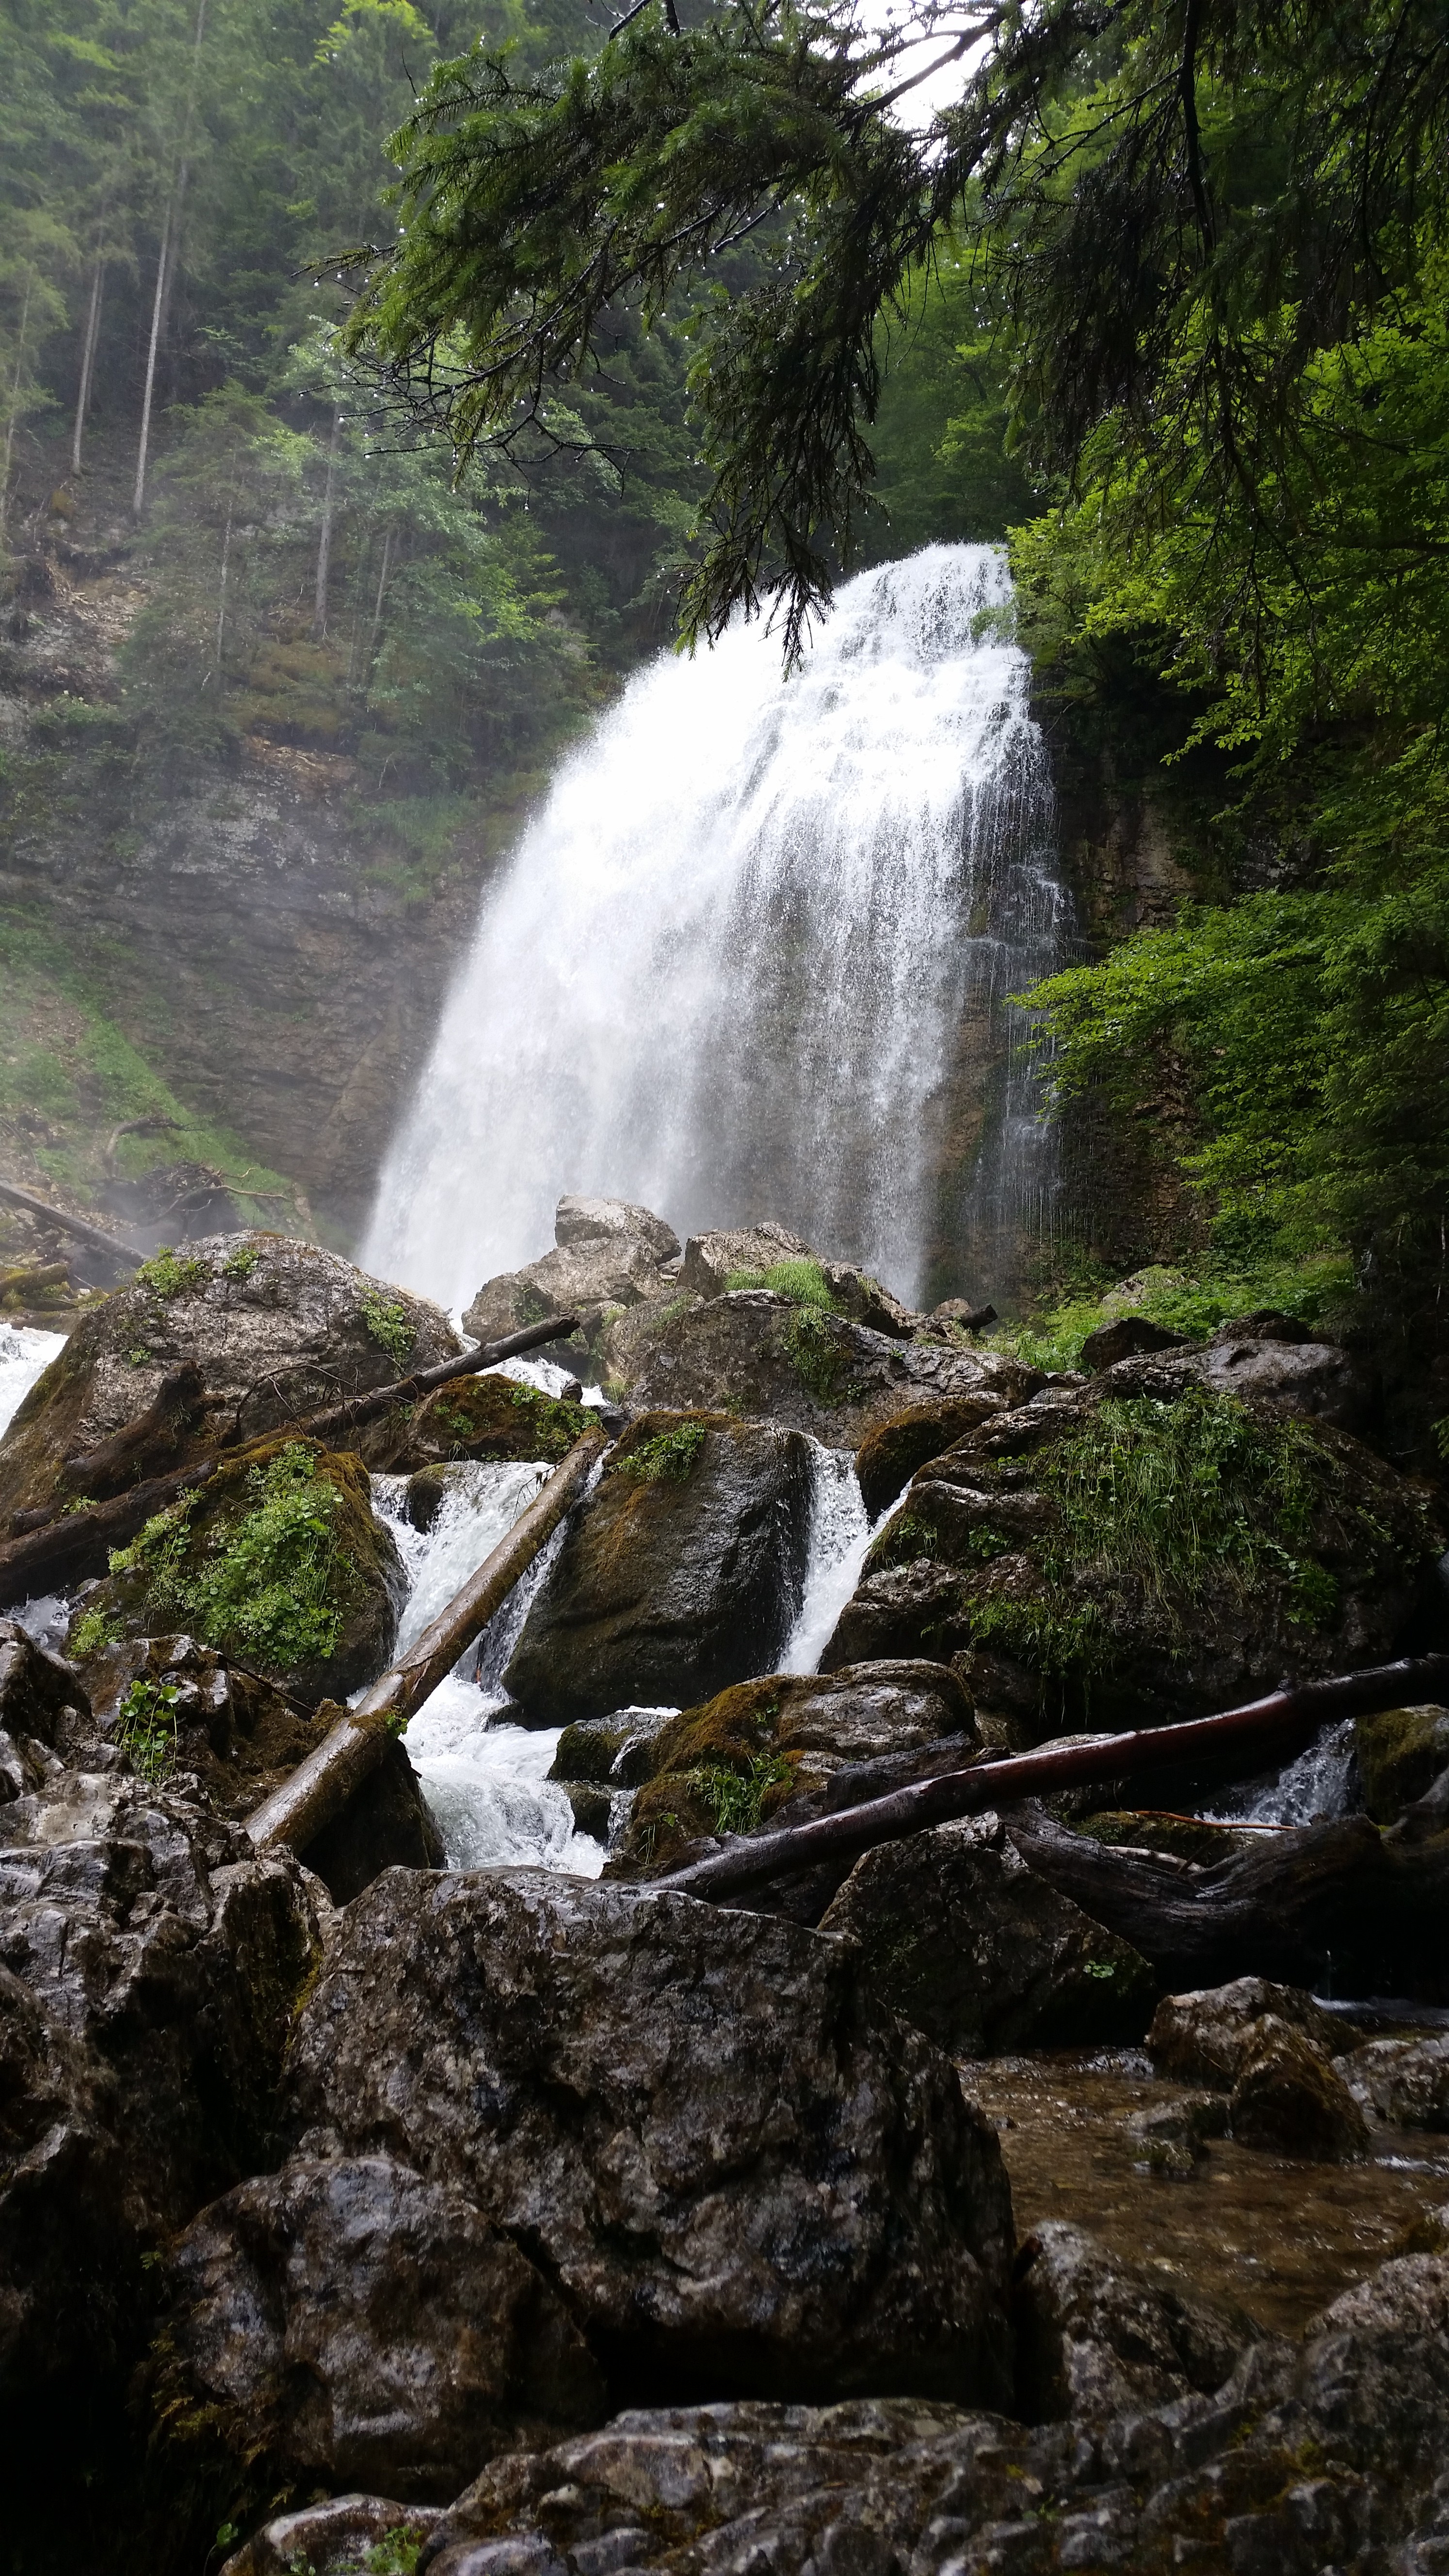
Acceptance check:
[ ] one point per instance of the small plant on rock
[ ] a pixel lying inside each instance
(240, 1264)
(146, 1729)
(736, 1803)
(388, 1324)
(669, 1458)
(94, 1630)
(170, 1274)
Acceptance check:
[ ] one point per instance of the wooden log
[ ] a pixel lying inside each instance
(320, 1787)
(1285, 1721)
(64, 1546)
(46, 1274)
(79, 1542)
(67, 1224)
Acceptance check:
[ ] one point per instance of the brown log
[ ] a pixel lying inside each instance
(79, 1542)
(46, 1274)
(67, 1224)
(1285, 1721)
(69, 1545)
(320, 1787)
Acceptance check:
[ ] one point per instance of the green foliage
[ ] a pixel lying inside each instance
(815, 1355)
(267, 1587)
(146, 1729)
(395, 2555)
(389, 1325)
(1311, 1289)
(736, 1803)
(240, 1264)
(668, 1458)
(170, 1274)
(93, 1631)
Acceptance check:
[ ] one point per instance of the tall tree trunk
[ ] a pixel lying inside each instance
(376, 628)
(88, 358)
(14, 414)
(221, 595)
(324, 541)
(170, 237)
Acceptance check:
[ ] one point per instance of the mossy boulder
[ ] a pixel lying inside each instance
(1140, 1549)
(275, 1329)
(277, 1561)
(681, 1573)
(1400, 1752)
(608, 1256)
(732, 1764)
(475, 1417)
(889, 1456)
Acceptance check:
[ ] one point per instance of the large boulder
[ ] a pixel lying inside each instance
(1208, 2036)
(607, 1253)
(1097, 2336)
(150, 1961)
(273, 1330)
(1053, 1555)
(1289, 2098)
(349, 2324)
(772, 1744)
(740, 2172)
(170, 1704)
(1405, 2081)
(278, 1561)
(712, 1260)
(1400, 1753)
(974, 1949)
(681, 1573)
(890, 1455)
(489, 1417)
(763, 1354)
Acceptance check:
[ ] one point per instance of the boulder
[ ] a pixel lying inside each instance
(739, 2171)
(734, 1763)
(336, 2538)
(1405, 2081)
(152, 1959)
(607, 1253)
(1124, 1338)
(386, 1824)
(1171, 2138)
(1316, 1379)
(348, 2323)
(890, 1455)
(1046, 1541)
(278, 1561)
(617, 1749)
(681, 1572)
(1096, 2336)
(1375, 2373)
(488, 1416)
(971, 1947)
(711, 1260)
(1208, 2037)
(1289, 2098)
(276, 1330)
(763, 1356)
(234, 1733)
(1400, 1754)
(44, 1711)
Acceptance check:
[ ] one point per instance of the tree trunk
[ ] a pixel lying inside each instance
(324, 541)
(138, 496)
(221, 596)
(88, 359)
(14, 413)
(1281, 1724)
(322, 1785)
(66, 1224)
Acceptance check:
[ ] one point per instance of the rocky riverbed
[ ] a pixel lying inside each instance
(366, 2209)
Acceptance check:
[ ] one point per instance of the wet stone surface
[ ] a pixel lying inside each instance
(1276, 2235)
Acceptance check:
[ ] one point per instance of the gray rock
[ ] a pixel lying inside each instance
(349, 2322)
(820, 1372)
(1400, 1753)
(41, 1695)
(386, 1824)
(736, 2168)
(1287, 2097)
(607, 1253)
(977, 1951)
(1313, 1378)
(1124, 1338)
(278, 1330)
(586, 1221)
(1405, 2081)
(1375, 2366)
(709, 1259)
(1097, 2335)
(617, 1749)
(681, 1573)
(1172, 2137)
(334, 2539)
(1207, 2037)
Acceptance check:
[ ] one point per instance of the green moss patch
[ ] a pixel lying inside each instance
(666, 1457)
(1401, 1752)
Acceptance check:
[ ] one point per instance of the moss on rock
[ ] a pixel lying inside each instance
(1401, 1752)
(475, 1417)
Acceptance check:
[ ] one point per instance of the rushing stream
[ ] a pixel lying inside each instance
(751, 958)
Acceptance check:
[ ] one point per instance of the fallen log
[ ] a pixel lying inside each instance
(1287, 1720)
(320, 1787)
(65, 1545)
(67, 1224)
(174, 1409)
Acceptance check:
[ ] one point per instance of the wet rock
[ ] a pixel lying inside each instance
(152, 1960)
(1207, 2037)
(43, 1704)
(278, 1559)
(1375, 2367)
(1179, 1837)
(1097, 2336)
(736, 1762)
(1287, 2097)
(994, 1548)
(335, 2539)
(235, 1734)
(856, 1294)
(386, 1824)
(349, 2322)
(1311, 1378)
(617, 1749)
(607, 1253)
(1400, 1754)
(592, 1806)
(889, 1456)
(974, 1949)
(740, 2173)
(487, 1416)
(277, 1329)
(1172, 2137)
(710, 1260)
(1405, 2081)
(681, 1573)
(1124, 1338)
(760, 1354)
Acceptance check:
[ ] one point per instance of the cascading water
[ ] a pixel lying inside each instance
(751, 957)
(24, 1356)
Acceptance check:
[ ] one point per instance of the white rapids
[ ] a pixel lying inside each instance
(25, 1355)
(744, 958)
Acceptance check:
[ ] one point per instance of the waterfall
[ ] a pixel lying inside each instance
(751, 958)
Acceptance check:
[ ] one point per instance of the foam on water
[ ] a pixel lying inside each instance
(25, 1354)
(840, 1533)
(1316, 1786)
